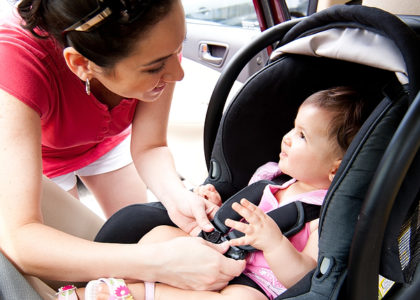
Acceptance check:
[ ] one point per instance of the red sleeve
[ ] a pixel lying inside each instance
(24, 69)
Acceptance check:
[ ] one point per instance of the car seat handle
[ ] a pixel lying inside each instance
(229, 75)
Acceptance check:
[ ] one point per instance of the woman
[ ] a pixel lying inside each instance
(71, 83)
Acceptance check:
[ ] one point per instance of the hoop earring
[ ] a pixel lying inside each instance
(87, 86)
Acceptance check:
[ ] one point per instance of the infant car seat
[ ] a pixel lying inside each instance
(369, 219)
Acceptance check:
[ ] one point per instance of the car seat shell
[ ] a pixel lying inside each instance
(343, 208)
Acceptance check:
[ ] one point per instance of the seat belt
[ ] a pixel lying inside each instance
(290, 218)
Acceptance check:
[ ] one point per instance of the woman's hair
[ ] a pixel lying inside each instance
(349, 112)
(105, 43)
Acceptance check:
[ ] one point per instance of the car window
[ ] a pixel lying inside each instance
(5, 8)
(236, 13)
(297, 8)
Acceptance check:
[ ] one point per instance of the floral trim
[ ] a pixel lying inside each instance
(67, 292)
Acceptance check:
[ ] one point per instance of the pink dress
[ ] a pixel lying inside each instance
(257, 267)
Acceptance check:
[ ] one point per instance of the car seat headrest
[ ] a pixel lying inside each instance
(263, 111)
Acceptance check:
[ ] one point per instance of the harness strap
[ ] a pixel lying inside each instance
(290, 218)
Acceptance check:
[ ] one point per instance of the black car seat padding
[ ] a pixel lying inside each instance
(264, 110)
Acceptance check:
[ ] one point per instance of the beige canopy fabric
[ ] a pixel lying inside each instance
(353, 45)
(402, 7)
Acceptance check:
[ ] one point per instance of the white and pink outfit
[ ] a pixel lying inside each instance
(257, 267)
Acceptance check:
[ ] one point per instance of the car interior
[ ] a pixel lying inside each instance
(369, 222)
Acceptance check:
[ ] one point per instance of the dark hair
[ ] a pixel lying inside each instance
(349, 111)
(104, 44)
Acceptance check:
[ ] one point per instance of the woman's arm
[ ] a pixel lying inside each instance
(156, 167)
(45, 252)
(33, 247)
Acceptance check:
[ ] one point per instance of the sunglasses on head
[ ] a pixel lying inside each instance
(127, 11)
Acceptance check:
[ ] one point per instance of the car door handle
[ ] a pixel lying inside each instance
(213, 53)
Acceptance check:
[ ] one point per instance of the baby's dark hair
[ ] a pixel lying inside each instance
(104, 44)
(349, 111)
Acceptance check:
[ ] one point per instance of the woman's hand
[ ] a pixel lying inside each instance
(260, 231)
(192, 213)
(197, 264)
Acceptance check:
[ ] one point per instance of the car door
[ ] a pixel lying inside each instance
(217, 29)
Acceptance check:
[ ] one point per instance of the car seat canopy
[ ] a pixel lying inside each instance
(350, 44)
(368, 19)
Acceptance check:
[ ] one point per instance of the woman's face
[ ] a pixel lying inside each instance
(144, 74)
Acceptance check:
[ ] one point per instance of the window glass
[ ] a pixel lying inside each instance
(297, 8)
(237, 13)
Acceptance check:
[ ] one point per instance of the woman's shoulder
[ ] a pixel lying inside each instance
(31, 67)
(15, 40)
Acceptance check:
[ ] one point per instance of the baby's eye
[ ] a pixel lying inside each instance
(301, 135)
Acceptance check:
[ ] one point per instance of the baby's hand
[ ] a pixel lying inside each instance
(261, 230)
(209, 192)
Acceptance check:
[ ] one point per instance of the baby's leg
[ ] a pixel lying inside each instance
(166, 292)
(231, 292)
(161, 233)
(103, 293)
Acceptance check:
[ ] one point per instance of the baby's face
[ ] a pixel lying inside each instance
(307, 152)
